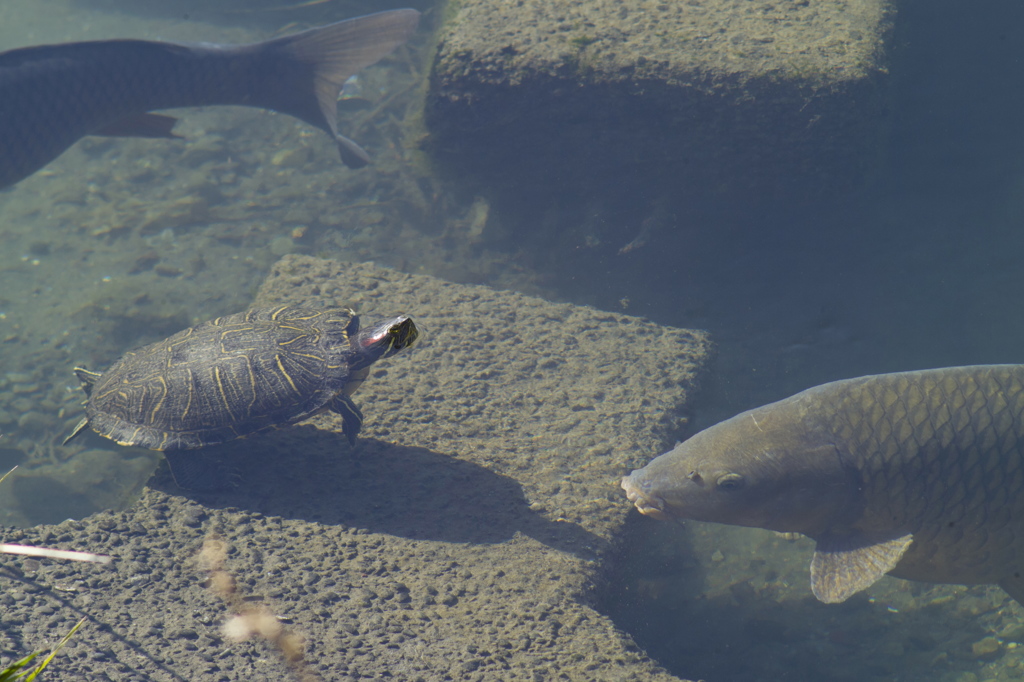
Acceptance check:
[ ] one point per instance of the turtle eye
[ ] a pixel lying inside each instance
(729, 482)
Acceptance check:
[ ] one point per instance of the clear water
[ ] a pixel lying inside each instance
(123, 242)
(119, 243)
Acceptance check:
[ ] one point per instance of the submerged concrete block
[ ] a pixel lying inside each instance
(461, 539)
(556, 94)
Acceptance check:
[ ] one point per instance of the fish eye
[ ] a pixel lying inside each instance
(729, 482)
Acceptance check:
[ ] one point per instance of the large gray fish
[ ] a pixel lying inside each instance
(53, 95)
(916, 474)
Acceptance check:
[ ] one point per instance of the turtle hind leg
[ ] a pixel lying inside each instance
(78, 429)
(87, 378)
(351, 416)
(201, 472)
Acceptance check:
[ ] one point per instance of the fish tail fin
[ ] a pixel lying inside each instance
(333, 54)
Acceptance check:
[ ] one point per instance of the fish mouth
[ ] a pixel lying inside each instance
(645, 504)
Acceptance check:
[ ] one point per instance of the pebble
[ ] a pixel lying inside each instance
(194, 516)
(987, 648)
(1014, 633)
(291, 158)
(182, 633)
(281, 246)
(34, 421)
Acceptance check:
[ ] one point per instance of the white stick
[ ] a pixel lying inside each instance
(55, 553)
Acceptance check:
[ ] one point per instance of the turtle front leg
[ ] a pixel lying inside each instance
(351, 416)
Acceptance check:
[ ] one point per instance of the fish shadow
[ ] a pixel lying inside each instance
(744, 638)
(750, 632)
(410, 492)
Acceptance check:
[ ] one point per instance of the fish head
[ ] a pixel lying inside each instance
(767, 468)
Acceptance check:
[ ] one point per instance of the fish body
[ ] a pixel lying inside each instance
(916, 474)
(53, 95)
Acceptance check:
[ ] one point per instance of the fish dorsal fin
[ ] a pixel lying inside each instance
(841, 567)
(352, 155)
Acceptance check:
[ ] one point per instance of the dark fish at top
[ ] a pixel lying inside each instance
(916, 474)
(53, 95)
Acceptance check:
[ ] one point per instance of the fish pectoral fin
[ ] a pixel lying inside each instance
(140, 125)
(352, 155)
(842, 566)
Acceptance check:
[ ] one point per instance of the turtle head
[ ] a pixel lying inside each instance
(384, 339)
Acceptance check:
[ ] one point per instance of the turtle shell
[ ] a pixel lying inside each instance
(228, 378)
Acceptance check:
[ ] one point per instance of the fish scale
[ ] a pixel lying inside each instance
(944, 464)
(915, 474)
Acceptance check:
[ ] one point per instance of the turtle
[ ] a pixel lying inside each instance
(239, 375)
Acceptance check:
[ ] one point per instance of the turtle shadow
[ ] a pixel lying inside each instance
(411, 492)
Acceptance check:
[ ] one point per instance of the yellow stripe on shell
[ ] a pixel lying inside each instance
(284, 373)
(223, 395)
